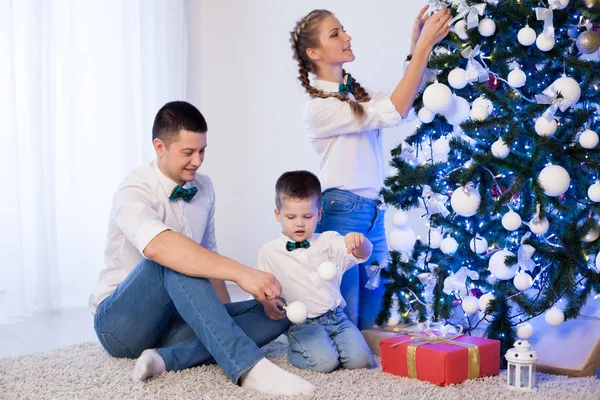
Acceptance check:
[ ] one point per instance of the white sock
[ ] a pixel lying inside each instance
(149, 364)
(267, 377)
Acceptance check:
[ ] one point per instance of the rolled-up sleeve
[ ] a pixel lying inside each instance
(209, 240)
(339, 252)
(331, 117)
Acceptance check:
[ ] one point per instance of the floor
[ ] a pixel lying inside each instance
(46, 332)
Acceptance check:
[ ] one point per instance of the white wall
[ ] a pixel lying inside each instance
(243, 79)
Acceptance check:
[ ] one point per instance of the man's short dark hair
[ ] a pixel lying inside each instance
(175, 116)
(301, 185)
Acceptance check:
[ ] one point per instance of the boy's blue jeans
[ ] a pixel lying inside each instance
(346, 212)
(182, 318)
(321, 344)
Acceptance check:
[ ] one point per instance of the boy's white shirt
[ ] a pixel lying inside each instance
(296, 270)
(351, 150)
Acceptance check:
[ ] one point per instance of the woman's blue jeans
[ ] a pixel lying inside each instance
(346, 212)
(182, 318)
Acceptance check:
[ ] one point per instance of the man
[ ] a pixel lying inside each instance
(160, 296)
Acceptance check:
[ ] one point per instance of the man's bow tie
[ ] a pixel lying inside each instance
(305, 244)
(185, 194)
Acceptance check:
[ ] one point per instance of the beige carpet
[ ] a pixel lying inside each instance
(85, 371)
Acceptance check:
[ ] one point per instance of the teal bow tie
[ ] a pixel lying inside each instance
(185, 194)
(305, 244)
(344, 89)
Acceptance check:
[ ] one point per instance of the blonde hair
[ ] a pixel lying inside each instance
(306, 35)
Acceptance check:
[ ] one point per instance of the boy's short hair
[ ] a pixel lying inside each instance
(297, 185)
(175, 116)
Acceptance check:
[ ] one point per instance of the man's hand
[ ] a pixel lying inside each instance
(262, 285)
(272, 310)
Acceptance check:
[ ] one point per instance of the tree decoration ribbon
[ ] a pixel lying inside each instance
(475, 71)
(470, 13)
(457, 281)
(546, 15)
(551, 96)
(408, 154)
(434, 6)
(525, 253)
(434, 202)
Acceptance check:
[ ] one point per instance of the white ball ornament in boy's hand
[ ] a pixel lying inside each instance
(449, 245)
(526, 36)
(498, 267)
(522, 281)
(487, 27)
(511, 221)
(539, 226)
(470, 304)
(465, 201)
(435, 239)
(545, 126)
(400, 218)
(524, 330)
(568, 88)
(484, 300)
(460, 28)
(459, 112)
(479, 113)
(545, 42)
(327, 271)
(594, 192)
(588, 139)
(437, 97)
(555, 180)
(500, 149)
(297, 312)
(402, 239)
(478, 245)
(554, 316)
(425, 116)
(457, 78)
(516, 78)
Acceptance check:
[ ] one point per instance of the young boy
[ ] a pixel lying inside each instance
(327, 338)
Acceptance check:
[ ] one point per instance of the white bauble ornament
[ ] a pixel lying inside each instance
(560, 4)
(568, 88)
(526, 36)
(459, 112)
(555, 180)
(327, 271)
(516, 78)
(487, 103)
(402, 239)
(435, 239)
(500, 149)
(539, 226)
(457, 78)
(296, 312)
(498, 267)
(524, 330)
(588, 139)
(592, 235)
(465, 201)
(478, 245)
(484, 300)
(441, 146)
(437, 97)
(470, 304)
(460, 28)
(545, 126)
(479, 113)
(554, 316)
(522, 281)
(545, 42)
(400, 218)
(598, 262)
(594, 192)
(511, 221)
(487, 27)
(425, 116)
(449, 245)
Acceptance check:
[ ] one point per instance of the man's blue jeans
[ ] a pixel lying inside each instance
(182, 318)
(346, 212)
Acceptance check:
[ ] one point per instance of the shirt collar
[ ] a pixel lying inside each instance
(326, 86)
(165, 182)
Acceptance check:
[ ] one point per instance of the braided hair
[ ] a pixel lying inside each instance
(306, 35)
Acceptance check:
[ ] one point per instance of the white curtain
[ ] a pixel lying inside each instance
(80, 83)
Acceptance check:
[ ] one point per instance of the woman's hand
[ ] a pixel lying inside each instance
(417, 27)
(434, 28)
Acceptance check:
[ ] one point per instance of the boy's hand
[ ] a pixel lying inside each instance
(354, 240)
(272, 310)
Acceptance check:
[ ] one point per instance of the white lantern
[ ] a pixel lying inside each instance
(465, 201)
(478, 244)
(521, 359)
(555, 180)
(545, 42)
(546, 126)
(500, 149)
(437, 97)
(487, 27)
(425, 116)
(516, 78)
(460, 28)
(327, 271)
(588, 139)
(457, 78)
(402, 239)
(526, 36)
(297, 312)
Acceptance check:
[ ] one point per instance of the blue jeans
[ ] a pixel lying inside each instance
(182, 318)
(321, 344)
(346, 212)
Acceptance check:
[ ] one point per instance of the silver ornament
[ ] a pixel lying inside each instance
(588, 42)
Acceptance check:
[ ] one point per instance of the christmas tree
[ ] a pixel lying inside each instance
(505, 164)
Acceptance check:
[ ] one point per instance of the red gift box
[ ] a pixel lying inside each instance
(440, 363)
